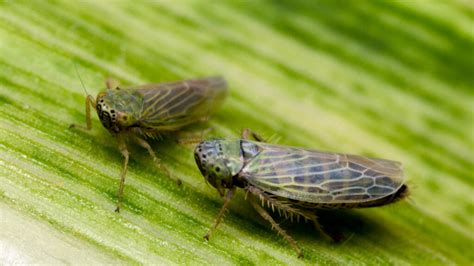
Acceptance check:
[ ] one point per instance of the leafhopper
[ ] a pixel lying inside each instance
(149, 111)
(296, 181)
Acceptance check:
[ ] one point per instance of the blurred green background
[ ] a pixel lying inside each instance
(391, 79)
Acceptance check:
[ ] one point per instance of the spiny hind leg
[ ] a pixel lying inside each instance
(247, 133)
(286, 208)
(89, 102)
(123, 149)
(277, 227)
(147, 146)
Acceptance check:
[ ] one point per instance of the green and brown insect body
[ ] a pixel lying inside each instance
(153, 109)
(296, 181)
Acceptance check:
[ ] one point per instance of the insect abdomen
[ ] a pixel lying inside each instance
(401, 194)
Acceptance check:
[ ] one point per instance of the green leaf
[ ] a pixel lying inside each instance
(391, 79)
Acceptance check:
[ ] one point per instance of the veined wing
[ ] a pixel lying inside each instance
(322, 177)
(175, 104)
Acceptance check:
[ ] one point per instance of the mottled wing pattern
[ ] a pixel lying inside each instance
(169, 106)
(321, 177)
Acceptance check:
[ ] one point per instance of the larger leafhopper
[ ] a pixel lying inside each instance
(151, 110)
(297, 181)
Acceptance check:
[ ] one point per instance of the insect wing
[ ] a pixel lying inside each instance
(172, 105)
(321, 177)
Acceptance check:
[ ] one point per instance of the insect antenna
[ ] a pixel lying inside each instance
(80, 79)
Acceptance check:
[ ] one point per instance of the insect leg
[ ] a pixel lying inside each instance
(123, 149)
(193, 138)
(111, 83)
(320, 229)
(277, 228)
(281, 205)
(228, 197)
(288, 209)
(147, 146)
(247, 133)
(89, 102)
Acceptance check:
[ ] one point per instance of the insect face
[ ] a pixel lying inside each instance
(219, 160)
(111, 114)
(106, 114)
